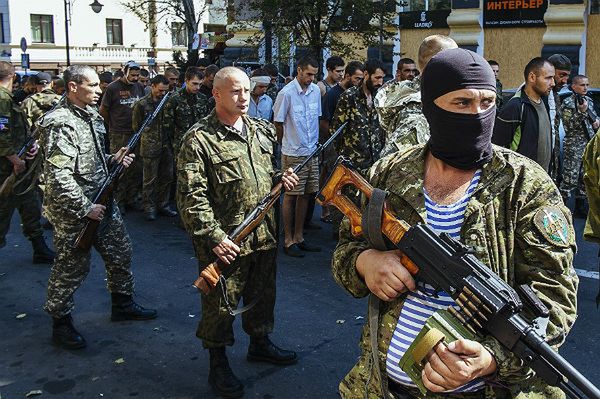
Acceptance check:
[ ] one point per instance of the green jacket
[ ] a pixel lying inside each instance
(13, 129)
(221, 176)
(501, 225)
(182, 111)
(155, 137)
(38, 104)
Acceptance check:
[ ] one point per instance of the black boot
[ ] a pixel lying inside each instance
(65, 335)
(41, 252)
(151, 214)
(221, 377)
(261, 349)
(580, 208)
(167, 211)
(124, 308)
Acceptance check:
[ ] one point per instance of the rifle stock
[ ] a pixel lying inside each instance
(211, 274)
(448, 265)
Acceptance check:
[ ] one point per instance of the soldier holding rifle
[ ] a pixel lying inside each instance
(494, 200)
(75, 168)
(224, 168)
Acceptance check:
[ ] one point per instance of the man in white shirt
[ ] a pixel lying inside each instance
(296, 115)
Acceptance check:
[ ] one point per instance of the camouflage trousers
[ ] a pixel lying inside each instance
(72, 265)
(29, 207)
(254, 278)
(129, 188)
(158, 176)
(572, 166)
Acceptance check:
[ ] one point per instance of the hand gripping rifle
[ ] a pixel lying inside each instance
(11, 181)
(488, 305)
(86, 236)
(212, 274)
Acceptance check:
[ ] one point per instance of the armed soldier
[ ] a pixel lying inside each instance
(224, 168)
(41, 102)
(185, 108)
(581, 123)
(75, 167)
(13, 136)
(157, 151)
(494, 200)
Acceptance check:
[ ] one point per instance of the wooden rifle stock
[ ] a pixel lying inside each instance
(211, 274)
(331, 194)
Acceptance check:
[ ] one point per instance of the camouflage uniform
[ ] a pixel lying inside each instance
(578, 132)
(499, 97)
(38, 104)
(591, 178)
(181, 112)
(400, 115)
(363, 137)
(13, 135)
(157, 152)
(501, 225)
(221, 176)
(272, 92)
(75, 168)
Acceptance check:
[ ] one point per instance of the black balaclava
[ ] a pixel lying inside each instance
(463, 141)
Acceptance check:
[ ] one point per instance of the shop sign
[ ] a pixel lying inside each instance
(424, 19)
(514, 13)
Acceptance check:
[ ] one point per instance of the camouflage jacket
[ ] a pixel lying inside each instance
(38, 104)
(499, 97)
(272, 91)
(155, 137)
(13, 129)
(363, 138)
(504, 223)
(75, 164)
(400, 115)
(591, 178)
(578, 123)
(181, 112)
(221, 176)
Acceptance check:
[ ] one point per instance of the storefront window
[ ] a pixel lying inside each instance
(427, 5)
(594, 6)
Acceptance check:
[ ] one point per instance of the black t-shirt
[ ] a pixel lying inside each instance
(118, 99)
(330, 101)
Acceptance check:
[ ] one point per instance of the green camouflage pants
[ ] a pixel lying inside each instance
(255, 278)
(572, 170)
(129, 189)
(158, 176)
(72, 265)
(29, 208)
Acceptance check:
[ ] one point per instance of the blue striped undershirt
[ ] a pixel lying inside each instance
(420, 305)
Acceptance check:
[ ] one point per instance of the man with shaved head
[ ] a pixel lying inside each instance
(224, 168)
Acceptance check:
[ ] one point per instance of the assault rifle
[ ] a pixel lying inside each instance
(488, 305)
(86, 236)
(212, 274)
(11, 181)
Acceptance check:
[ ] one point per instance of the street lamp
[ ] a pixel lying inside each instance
(96, 7)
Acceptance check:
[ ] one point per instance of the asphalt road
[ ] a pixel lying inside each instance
(162, 358)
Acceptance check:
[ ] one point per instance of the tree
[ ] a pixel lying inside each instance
(320, 24)
(154, 13)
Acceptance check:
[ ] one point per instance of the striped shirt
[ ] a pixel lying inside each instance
(421, 304)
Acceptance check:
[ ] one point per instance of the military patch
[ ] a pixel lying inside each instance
(4, 123)
(58, 158)
(551, 222)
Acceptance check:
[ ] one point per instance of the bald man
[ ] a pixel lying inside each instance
(224, 168)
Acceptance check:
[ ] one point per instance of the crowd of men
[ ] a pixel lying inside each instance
(214, 149)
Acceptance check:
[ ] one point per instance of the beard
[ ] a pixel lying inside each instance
(372, 88)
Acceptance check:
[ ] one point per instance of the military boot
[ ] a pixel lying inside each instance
(41, 252)
(261, 349)
(221, 377)
(580, 209)
(167, 211)
(151, 214)
(65, 335)
(125, 308)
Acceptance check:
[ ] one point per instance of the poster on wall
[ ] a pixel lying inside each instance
(424, 19)
(514, 13)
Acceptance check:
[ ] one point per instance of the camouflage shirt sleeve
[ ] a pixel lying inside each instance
(59, 166)
(192, 195)
(7, 146)
(137, 116)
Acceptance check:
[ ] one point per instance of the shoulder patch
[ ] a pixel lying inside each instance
(4, 123)
(59, 158)
(552, 224)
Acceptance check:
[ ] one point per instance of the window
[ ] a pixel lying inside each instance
(427, 5)
(114, 32)
(179, 34)
(595, 7)
(42, 28)
(2, 28)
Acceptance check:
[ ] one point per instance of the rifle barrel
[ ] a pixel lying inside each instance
(320, 148)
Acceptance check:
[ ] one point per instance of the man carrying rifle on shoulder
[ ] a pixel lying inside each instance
(223, 170)
(494, 200)
(13, 137)
(75, 168)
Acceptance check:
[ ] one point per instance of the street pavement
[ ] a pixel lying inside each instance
(162, 358)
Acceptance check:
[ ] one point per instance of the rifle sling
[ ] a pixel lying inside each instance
(372, 232)
(234, 312)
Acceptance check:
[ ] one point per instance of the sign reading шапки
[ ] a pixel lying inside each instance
(514, 13)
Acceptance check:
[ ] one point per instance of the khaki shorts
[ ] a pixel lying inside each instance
(309, 175)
